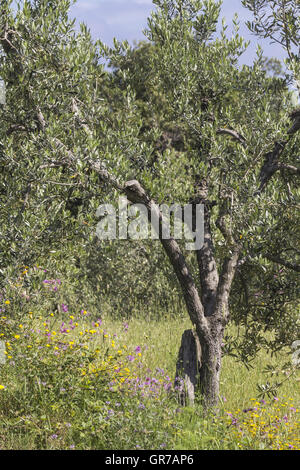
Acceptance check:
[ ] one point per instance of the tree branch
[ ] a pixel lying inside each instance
(232, 133)
(287, 264)
(208, 272)
(226, 277)
(271, 164)
(222, 220)
(136, 194)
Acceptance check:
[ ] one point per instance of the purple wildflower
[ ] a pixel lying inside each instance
(109, 414)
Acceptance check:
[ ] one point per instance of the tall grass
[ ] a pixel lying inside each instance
(77, 379)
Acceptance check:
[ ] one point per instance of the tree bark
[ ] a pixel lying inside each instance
(188, 367)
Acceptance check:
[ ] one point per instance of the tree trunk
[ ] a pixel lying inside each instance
(188, 367)
(208, 313)
(210, 372)
(199, 366)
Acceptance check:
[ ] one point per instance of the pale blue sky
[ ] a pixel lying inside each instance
(126, 19)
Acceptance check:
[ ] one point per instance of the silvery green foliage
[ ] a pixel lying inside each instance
(186, 86)
(279, 21)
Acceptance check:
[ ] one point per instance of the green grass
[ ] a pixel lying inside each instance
(57, 391)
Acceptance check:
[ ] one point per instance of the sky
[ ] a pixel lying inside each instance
(126, 19)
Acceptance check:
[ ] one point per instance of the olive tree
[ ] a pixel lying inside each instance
(72, 132)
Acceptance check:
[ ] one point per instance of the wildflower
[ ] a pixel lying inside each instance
(2, 387)
(17, 336)
(109, 414)
(7, 302)
(64, 307)
(247, 409)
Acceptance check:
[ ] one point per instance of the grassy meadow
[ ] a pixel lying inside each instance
(74, 379)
